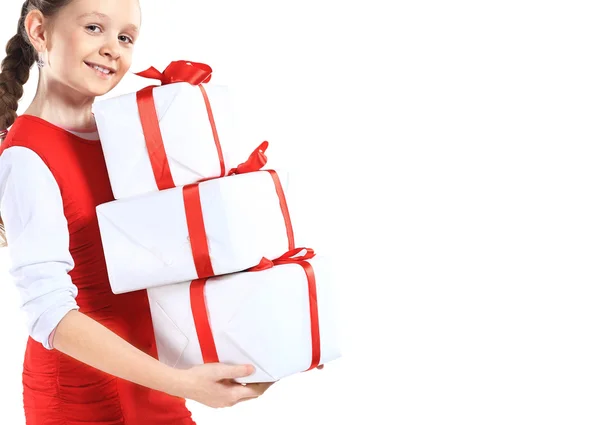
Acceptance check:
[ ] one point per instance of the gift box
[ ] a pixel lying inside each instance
(211, 228)
(282, 320)
(166, 136)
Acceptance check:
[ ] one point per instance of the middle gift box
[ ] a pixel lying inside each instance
(205, 229)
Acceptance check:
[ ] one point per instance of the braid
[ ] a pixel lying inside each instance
(15, 67)
(20, 56)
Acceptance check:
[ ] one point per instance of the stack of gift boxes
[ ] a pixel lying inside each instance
(211, 243)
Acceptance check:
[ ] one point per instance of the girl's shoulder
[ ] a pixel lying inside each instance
(25, 170)
(48, 140)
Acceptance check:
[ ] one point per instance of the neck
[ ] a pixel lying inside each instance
(62, 106)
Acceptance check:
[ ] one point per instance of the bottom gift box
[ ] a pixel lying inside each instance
(281, 319)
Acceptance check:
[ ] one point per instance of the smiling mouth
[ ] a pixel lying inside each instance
(94, 67)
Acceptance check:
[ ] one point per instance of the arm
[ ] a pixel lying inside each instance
(210, 384)
(38, 245)
(86, 340)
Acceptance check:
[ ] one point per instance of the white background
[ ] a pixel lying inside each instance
(447, 154)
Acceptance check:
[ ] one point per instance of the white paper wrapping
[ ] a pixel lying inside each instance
(145, 238)
(259, 318)
(186, 131)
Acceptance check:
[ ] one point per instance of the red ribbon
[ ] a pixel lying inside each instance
(314, 313)
(197, 230)
(289, 257)
(198, 241)
(213, 127)
(181, 71)
(202, 322)
(255, 161)
(178, 71)
(284, 209)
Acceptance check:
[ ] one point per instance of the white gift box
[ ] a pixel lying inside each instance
(146, 240)
(186, 131)
(259, 318)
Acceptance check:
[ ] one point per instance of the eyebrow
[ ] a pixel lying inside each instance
(104, 16)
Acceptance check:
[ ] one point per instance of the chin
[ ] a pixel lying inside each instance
(100, 89)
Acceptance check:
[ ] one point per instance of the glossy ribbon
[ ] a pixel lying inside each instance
(181, 71)
(202, 322)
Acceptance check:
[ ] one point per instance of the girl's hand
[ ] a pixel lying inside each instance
(213, 384)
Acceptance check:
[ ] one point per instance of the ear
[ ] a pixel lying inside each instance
(35, 26)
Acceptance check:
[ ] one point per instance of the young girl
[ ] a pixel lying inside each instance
(91, 355)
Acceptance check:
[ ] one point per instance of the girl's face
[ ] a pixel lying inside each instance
(88, 34)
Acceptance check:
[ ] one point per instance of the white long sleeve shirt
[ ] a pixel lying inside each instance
(38, 240)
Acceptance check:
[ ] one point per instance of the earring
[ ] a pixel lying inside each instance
(40, 61)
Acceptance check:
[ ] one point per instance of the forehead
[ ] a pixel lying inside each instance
(120, 12)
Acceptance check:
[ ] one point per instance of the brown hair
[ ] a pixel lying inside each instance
(15, 67)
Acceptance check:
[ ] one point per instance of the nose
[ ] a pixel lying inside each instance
(111, 49)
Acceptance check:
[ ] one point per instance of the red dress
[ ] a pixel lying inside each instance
(57, 389)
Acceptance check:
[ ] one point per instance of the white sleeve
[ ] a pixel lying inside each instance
(38, 241)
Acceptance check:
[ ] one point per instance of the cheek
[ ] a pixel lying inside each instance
(64, 51)
(126, 59)
(77, 48)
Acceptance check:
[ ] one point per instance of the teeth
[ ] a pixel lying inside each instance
(106, 71)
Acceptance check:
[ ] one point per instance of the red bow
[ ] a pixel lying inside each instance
(194, 73)
(256, 160)
(289, 257)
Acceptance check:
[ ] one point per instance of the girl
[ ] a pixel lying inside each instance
(91, 355)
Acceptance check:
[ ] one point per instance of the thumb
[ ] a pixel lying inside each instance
(225, 371)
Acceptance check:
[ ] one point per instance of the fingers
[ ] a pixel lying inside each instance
(246, 399)
(251, 390)
(233, 392)
(225, 371)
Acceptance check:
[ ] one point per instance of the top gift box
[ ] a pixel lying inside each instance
(167, 136)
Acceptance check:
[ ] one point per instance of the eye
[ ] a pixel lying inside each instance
(126, 38)
(91, 27)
